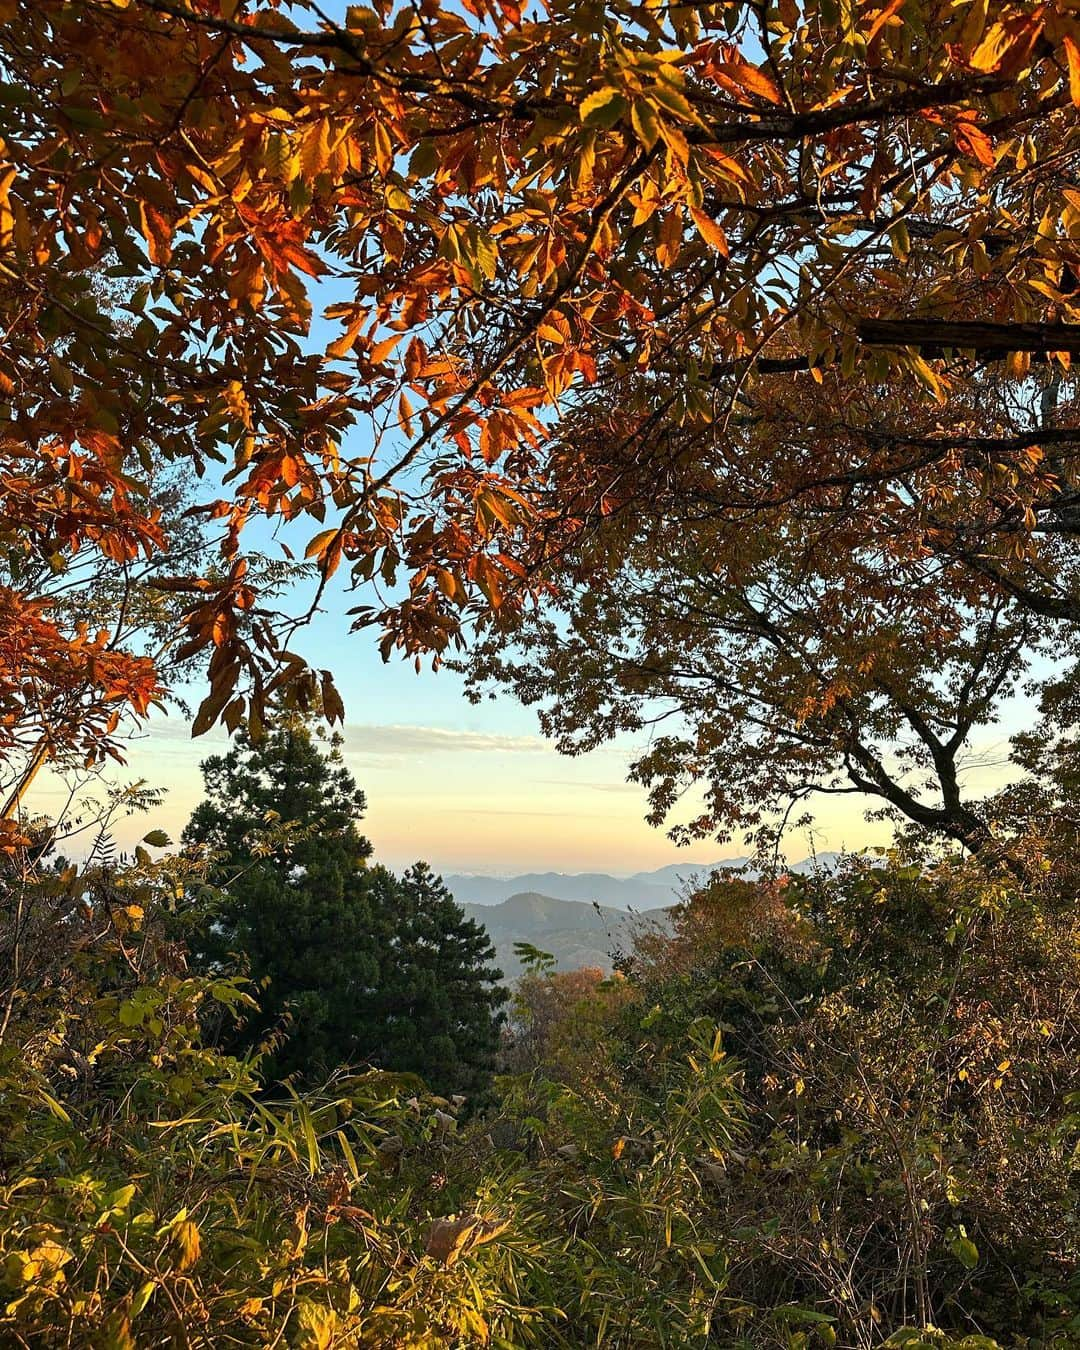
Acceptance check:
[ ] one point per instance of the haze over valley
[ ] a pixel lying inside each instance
(582, 919)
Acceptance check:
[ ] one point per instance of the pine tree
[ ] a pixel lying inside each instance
(297, 910)
(441, 996)
(370, 969)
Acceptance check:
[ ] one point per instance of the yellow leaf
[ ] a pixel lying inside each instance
(645, 122)
(672, 101)
(727, 167)
(713, 235)
(669, 244)
(1018, 364)
(186, 1237)
(586, 164)
(320, 543)
(987, 55)
(384, 150)
(315, 148)
(676, 142)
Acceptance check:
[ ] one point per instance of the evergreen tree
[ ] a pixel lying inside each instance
(281, 816)
(441, 997)
(370, 969)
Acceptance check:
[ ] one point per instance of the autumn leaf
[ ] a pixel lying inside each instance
(315, 148)
(188, 1244)
(740, 75)
(645, 122)
(157, 232)
(710, 231)
(972, 140)
(603, 108)
(495, 232)
(333, 706)
(1072, 56)
(384, 150)
(672, 101)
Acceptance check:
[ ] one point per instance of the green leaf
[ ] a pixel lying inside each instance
(424, 159)
(603, 108)
(645, 122)
(157, 839)
(121, 1197)
(54, 1106)
(142, 1297)
(805, 1316)
(62, 376)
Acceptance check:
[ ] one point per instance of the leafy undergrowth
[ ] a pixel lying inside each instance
(851, 1114)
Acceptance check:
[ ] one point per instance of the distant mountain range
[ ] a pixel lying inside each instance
(580, 919)
(643, 890)
(574, 932)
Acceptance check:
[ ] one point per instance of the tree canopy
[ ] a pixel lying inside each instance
(469, 294)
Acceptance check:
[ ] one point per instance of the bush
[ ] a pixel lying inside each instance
(818, 1114)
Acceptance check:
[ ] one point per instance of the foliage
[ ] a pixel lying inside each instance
(587, 269)
(436, 1012)
(723, 352)
(151, 1194)
(558, 1017)
(771, 679)
(909, 1042)
(364, 968)
(881, 1134)
(296, 906)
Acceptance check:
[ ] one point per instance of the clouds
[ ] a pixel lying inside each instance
(376, 739)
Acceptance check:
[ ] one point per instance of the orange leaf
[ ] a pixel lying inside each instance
(972, 140)
(882, 19)
(1072, 53)
(713, 235)
(158, 233)
(382, 350)
(738, 71)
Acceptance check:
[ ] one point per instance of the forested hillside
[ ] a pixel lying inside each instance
(699, 377)
(573, 933)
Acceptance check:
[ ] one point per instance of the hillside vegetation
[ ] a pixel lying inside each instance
(813, 1113)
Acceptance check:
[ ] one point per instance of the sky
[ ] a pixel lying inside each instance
(470, 788)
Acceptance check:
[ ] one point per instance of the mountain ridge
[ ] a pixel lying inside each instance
(580, 930)
(642, 890)
(575, 932)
